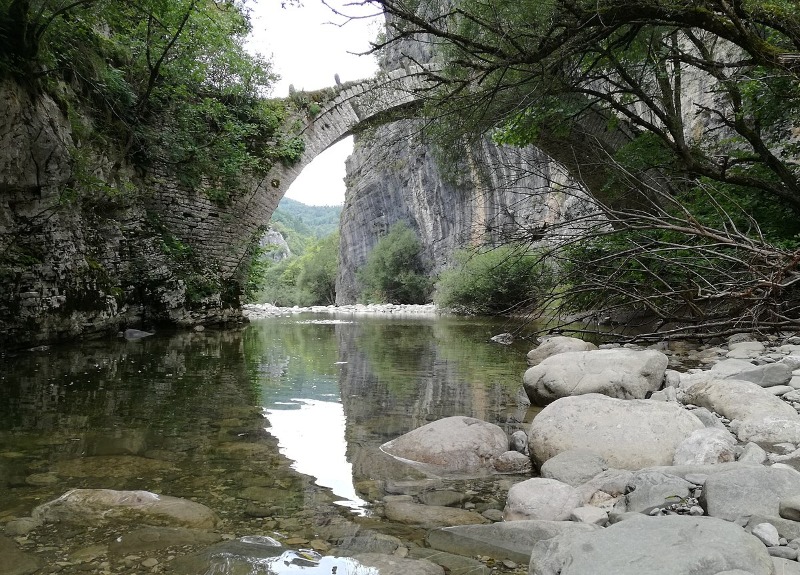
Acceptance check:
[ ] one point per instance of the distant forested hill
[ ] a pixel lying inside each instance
(317, 221)
(301, 224)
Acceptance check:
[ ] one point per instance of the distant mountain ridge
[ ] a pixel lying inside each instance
(316, 221)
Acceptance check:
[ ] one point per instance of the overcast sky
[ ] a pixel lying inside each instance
(307, 48)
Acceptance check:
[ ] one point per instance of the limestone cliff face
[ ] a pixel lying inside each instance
(496, 193)
(86, 246)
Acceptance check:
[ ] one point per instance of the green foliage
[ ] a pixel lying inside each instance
(318, 269)
(170, 83)
(309, 279)
(493, 281)
(301, 224)
(394, 272)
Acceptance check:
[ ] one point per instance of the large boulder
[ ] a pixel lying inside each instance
(91, 506)
(631, 434)
(451, 445)
(539, 498)
(745, 491)
(766, 375)
(769, 429)
(621, 373)
(669, 545)
(737, 399)
(555, 345)
(574, 467)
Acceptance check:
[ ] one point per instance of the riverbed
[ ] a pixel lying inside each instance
(275, 426)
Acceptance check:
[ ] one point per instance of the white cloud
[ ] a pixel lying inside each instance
(308, 45)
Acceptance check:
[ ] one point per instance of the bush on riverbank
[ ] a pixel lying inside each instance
(394, 272)
(493, 281)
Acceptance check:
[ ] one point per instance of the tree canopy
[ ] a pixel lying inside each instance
(169, 81)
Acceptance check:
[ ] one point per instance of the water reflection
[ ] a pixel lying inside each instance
(311, 433)
(184, 415)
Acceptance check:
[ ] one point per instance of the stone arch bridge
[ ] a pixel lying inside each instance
(223, 234)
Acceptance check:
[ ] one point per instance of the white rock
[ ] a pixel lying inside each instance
(767, 533)
(539, 498)
(705, 446)
(628, 434)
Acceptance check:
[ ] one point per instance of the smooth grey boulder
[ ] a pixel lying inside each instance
(767, 533)
(737, 399)
(606, 487)
(708, 418)
(789, 507)
(89, 506)
(555, 345)
(574, 467)
(740, 493)
(785, 566)
(766, 375)
(620, 373)
(769, 429)
(513, 540)
(451, 445)
(706, 446)
(745, 349)
(590, 515)
(752, 453)
(668, 545)
(539, 498)
(631, 434)
(648, 489)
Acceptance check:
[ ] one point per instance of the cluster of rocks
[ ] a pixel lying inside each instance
(266, 310)
(642, 469)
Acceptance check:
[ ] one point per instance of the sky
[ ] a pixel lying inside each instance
(307, 46)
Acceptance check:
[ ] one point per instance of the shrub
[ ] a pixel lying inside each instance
(493, 281)
(394, 272)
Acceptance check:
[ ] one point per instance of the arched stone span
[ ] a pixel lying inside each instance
(355, 105)
(221, 235)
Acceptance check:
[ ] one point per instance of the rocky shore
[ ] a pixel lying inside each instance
(666, 460)
(265, 310)
(638, 468)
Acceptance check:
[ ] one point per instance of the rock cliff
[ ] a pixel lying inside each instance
(491, 195)
(89, 244)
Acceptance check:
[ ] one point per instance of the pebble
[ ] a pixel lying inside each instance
(150, 562)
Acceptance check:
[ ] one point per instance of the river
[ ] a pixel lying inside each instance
(276, 426)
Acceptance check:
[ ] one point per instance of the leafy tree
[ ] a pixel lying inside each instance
(170, 82)
(393, 271)
(493, 281)
(319, 267)
(585, 79)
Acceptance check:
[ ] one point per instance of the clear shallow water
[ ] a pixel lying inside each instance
(275, 426)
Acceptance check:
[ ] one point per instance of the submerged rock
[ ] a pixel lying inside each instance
(84, 506)
(451, 445)
(513, 540)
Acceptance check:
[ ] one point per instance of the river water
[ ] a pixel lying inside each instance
(276, 426)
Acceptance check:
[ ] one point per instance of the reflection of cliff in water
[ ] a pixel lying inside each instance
(399, 375)
(107, 383)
